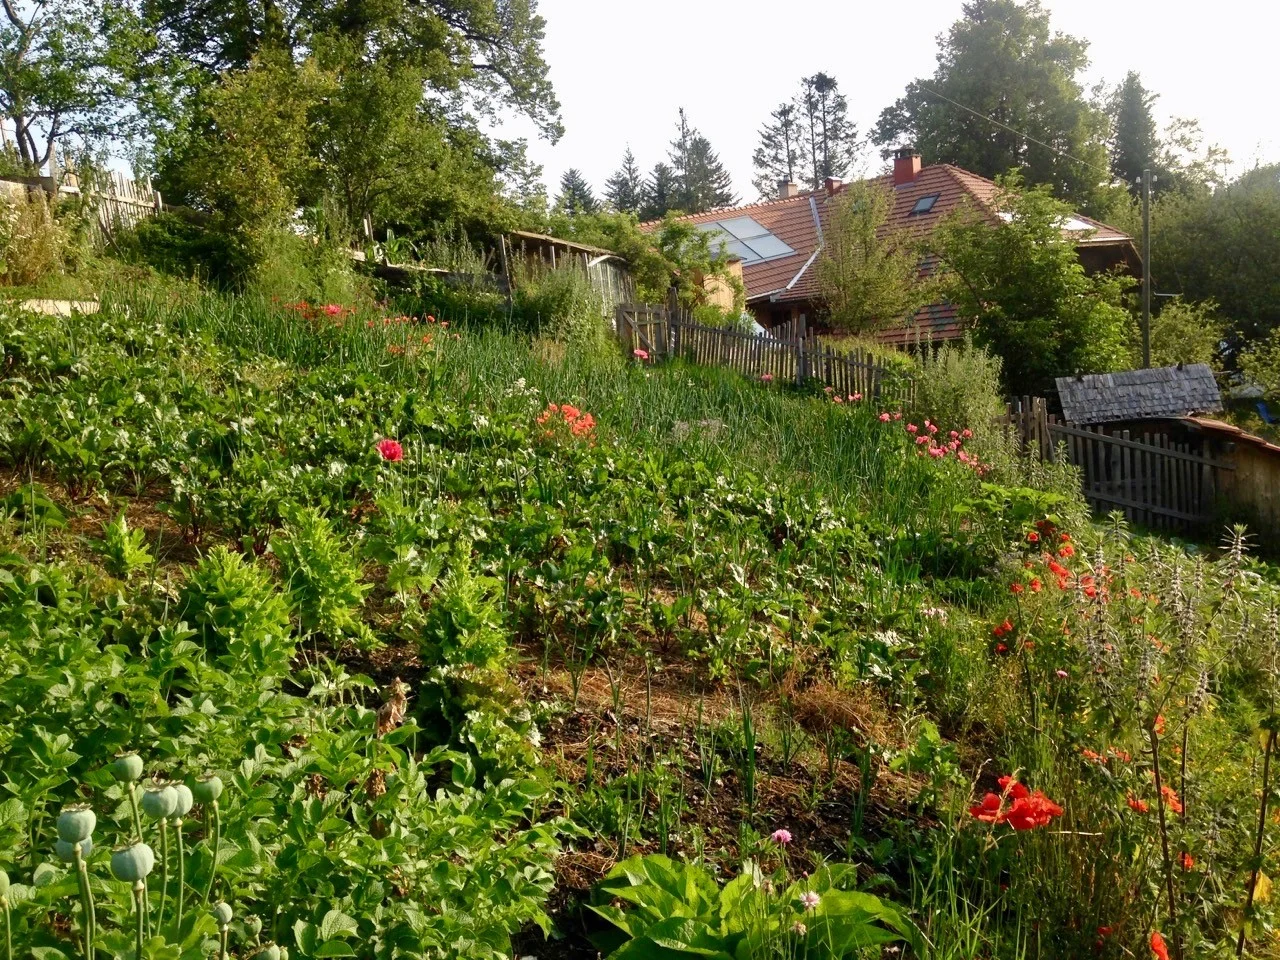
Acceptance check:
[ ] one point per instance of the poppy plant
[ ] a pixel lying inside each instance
(1026, 811)
(1140, 806)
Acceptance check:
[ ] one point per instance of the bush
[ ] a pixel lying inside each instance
(958, 387)
(562, 304)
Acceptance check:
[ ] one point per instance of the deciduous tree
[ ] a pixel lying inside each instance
(1006, 95)
(1019, 285)
(868, 272)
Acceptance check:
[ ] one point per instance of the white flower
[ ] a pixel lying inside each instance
(810, 900)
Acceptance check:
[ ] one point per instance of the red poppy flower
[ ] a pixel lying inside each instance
(1016, 588)
(1159, 948)
(1138, 805)
(1035, 585)
(1171, 798)
(1105, 931)
(1188, 862)
(988, 811)
(1159, 724)
(1033, 537)
(1066, 550)
(1001, 648)
(390, 450)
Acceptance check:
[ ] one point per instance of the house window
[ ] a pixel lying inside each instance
(924, 204)
(746, 239)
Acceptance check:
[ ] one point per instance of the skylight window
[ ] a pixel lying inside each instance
(924, 204)
(746, 239)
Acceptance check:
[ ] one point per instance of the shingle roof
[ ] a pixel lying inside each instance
(799, 221)
(1140, 394)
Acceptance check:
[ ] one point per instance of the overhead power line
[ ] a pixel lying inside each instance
(1019, 133)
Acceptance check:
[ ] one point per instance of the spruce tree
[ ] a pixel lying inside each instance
(625, 189)
(778, 155)
(1135, 141)
(575, 194)
(702, 182)
(659, 193)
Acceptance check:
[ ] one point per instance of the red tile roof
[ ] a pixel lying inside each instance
(799, 221)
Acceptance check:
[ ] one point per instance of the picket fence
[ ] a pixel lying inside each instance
(1153, 480)
(664, 332)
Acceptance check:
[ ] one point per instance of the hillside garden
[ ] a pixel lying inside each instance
(344, 630)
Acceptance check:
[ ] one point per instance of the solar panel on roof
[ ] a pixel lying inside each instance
(768, 247)
(744, 228)
(746, 239)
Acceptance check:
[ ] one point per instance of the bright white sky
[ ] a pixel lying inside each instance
(621, 72)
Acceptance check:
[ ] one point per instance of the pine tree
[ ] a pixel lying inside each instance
(625, 189)
(575, 194)
(702, 182)
(659, 193)
(778, 156)
(1135, 141)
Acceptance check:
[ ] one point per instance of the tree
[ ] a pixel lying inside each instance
(831, 139)
(1177, 159)
(1186, 332)
(778, 155)
(1019, 285)
(868, 273)
(1006, 96)
(70, 72)
(625, 189)
(1222, 245)
(476, 56)
(659, 192)
(1135, 140)
(702, 182)
(575, 194)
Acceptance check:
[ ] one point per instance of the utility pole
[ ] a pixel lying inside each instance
(1146, 268)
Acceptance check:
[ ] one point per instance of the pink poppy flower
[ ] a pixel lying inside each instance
(390, 450)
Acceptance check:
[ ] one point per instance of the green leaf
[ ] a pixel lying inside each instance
(335, 948)
(337, 924)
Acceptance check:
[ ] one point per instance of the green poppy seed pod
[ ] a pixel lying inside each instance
(253, 925)
(4, 887)
(159, 800)
(207, 788)
(126, 767)
(132, 863)
(76, 822)
(185, 799)
(269, 952)
(66, 850)
(222, 913)
(284, 953)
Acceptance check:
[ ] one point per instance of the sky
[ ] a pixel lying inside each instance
(622, 71)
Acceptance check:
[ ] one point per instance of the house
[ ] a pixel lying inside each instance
(778, 241)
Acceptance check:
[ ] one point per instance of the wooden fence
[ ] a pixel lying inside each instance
(664, 332)
(117, 200)
(1156, 482)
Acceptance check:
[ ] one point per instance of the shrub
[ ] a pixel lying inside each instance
(958, 386)
(323, 577)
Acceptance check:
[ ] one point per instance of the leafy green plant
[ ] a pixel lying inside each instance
(124, 550)
(676, 907)
(323, 579)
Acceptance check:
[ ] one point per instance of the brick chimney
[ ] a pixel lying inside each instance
(787, 189)
(906, 165)
(833, 184)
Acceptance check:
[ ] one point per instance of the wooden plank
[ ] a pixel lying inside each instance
(1193, 457)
